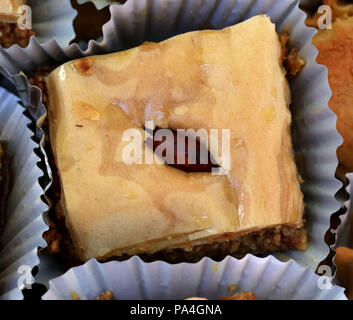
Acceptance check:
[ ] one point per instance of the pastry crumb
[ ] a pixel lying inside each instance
(232, 288)
(74, 295)
(292, 61)
(37, 78)
(107, 295)
(53, 237)
(240, 296)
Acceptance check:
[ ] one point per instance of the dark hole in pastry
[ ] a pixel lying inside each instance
(187, 167)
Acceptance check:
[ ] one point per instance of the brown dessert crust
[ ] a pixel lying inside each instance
(11, 34)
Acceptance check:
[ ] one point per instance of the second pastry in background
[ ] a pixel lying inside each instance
(336, 52)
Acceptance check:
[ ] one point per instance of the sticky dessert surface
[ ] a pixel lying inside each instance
(227, 79)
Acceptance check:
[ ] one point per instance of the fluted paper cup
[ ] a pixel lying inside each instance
(21, 237)
(51, 19)
(315, 136)
(266, 278)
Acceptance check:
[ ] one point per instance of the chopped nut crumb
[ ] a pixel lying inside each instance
(74, 295)
(294, 63)
(291, 59)
(240, 296)
(107, 295)
(53, 237)
(232, 288)
(283, 39)
(37, 78)
(11, 34)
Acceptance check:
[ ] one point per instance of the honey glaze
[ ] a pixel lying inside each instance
(85, 111)
(161, 91)
(84, 66)
(155, 92)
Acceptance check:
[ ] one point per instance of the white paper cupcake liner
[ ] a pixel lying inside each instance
(267, 279)
(22, 235)
(52, 19)
(314, 124)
